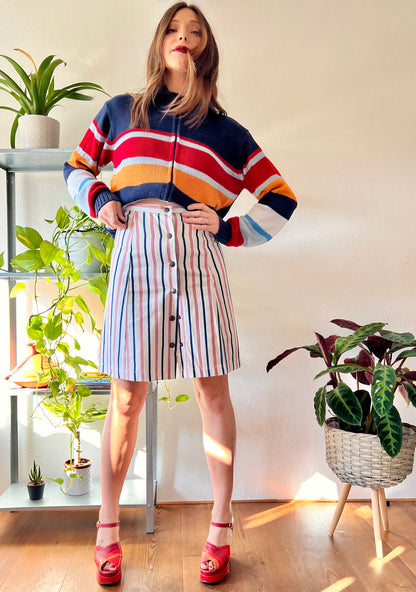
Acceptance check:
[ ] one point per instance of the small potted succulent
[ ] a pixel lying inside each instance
(36, 484)
(364, 409)
(36, 96)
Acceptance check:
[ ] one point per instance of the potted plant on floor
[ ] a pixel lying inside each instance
(36, 96)
(367, 442)
(36, 484)
(53, 330)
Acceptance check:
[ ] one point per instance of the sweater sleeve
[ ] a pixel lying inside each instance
(275, 202)
(85, 164)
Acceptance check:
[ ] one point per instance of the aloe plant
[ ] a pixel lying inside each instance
(35, 475)
(378, 370)
(35, 92)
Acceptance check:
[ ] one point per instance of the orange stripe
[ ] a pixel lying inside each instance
(195, 187)
(136, 174)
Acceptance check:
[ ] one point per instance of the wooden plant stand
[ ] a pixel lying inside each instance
(380, 519)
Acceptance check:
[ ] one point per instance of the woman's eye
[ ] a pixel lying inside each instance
(170, 30)
(198, 33)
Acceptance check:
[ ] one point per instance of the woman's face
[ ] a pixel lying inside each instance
(183, 35)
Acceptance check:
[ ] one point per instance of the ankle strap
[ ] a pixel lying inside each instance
(108, 525)
(223, 524)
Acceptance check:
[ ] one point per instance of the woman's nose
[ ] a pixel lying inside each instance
(182, 36)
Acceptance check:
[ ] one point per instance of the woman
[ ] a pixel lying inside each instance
(179, 164)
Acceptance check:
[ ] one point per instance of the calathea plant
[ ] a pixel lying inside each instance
(378, 369)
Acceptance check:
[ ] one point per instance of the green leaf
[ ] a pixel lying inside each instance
(410, 353)
(53, 328)
(403, 338)
(411, 391)
(164, 399)
(29, 237)
(344, 369)
(98, 253)
(390, 431)
(382, 388)
(66, 305)
(319, 403)
(181, 398)
(345, 404)
(83, 390)
(48, 252)
(19, 287)
(344, 344)
(28, 261)
(81, 303)
(1, 259)
(62, 218)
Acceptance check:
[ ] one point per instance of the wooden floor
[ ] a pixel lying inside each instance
(275, 547)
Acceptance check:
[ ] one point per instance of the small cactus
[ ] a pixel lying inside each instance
(35, 475)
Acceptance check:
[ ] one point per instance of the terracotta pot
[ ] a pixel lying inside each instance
(37, 131)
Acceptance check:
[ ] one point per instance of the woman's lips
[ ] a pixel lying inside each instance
(181, 49)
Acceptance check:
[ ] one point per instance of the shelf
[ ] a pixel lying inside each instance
(14, 390)
(16, 497)
(42, 160)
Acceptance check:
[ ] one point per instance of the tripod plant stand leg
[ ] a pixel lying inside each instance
(340, 506)
(383, 509)
(375, 504)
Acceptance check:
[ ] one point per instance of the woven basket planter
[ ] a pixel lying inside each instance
(359, 459)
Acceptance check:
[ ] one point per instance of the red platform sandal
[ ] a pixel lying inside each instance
(219, 556)
(110, 554)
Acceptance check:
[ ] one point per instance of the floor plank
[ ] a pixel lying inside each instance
(276, 547)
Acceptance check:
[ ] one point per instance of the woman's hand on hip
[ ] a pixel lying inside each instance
(202, 217)
(112, 215)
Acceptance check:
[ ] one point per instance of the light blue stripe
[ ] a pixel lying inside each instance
(257, 227)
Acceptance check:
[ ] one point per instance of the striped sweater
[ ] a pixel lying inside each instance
(211, 163)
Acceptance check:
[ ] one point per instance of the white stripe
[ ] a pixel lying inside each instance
(138, 134)
(195, 173)
(205, 149)
(267, 182)
(253, 161)
(88, 158)
(99, 137)
(141, 160)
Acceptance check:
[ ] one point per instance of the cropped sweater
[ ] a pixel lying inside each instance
(211, 164)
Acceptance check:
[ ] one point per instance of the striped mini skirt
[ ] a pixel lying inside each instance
(169, 312)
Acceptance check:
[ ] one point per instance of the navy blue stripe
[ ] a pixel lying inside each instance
(165, 303)
(187, 298)
(110, 317)
(207, 362)
(221, 338)
(149, 353)
(133, 315)
(223, 299)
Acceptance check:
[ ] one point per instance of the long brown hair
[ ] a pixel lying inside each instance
(201, 92)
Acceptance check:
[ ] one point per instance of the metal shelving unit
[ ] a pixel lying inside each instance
(136, 492)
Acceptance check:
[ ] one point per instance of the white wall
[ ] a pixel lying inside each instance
(327, 88)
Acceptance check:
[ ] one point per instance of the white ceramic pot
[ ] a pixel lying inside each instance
(79, 486)
(37, 131)
(77, 245)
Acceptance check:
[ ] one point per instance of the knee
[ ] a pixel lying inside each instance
(214, 399)
(128, 400)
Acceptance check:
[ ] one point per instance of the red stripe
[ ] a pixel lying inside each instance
(236, 239)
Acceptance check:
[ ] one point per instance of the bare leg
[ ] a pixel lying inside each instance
(219, 443)
(119, 439)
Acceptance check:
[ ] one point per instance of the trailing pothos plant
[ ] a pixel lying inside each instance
(54, 329)
(379, 370)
